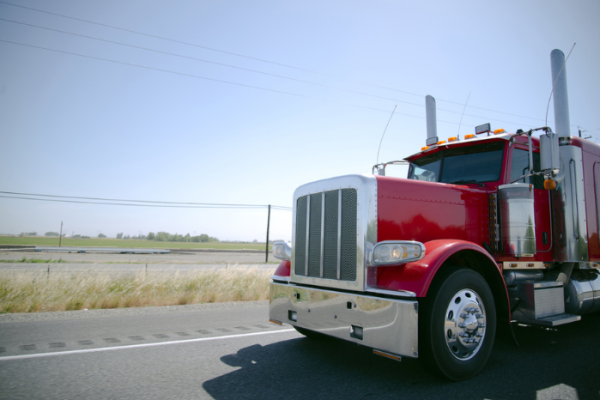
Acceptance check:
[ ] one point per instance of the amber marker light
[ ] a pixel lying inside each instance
(424, 148)
(470, 136)
(441, 142)
(387, 355)
(498, 131)
(549, 184)
(453, 139)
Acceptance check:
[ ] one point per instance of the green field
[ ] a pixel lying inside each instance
(126, 243)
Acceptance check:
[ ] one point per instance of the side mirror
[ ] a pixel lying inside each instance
(549, 151)
(550, 159)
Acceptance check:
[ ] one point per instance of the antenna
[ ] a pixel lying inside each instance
(556, 80)
(461, 116)
(388, 123)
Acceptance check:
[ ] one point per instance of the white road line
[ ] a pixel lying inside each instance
(137, 346)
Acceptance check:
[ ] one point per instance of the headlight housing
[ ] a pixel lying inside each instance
(392, 252)
(282, 250)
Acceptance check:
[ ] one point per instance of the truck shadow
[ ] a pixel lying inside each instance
(549, 364)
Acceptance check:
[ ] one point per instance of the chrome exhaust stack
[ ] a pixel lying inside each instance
(562, 122)
(430, 112)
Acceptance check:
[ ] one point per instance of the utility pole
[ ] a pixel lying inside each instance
(267, 246)
(60, 234)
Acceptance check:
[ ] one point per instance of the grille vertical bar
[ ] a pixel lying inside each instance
(300, 247)
(330, 233)
(348, 236)
(314, 244)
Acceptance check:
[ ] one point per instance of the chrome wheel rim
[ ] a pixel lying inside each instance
(464, 325)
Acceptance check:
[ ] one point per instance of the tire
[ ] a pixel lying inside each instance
(458, 327)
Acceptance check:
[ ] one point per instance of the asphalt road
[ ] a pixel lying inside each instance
(231, 351)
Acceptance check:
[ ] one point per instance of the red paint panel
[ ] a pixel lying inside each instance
(425, 211)
(543, 224)
(592, 204)
(417, 276)
(283, 269)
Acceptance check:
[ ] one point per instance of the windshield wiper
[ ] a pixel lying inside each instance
(462, 181)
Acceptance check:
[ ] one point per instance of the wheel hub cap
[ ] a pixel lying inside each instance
(465, 324)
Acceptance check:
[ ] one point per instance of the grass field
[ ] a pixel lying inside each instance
(37, 291)
(126, 243)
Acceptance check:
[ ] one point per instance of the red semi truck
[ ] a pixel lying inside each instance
(486, 231)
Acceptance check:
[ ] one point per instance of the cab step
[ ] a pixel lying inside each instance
(554, 320)
(542, 303)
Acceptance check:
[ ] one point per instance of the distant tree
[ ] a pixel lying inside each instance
(162, 236)
(85, 237)
(120, 235)
(75, 236)
(28, 234)
(150, 236)
(51, 234)
(101, 235)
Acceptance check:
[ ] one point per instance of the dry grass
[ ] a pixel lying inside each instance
(35, 292)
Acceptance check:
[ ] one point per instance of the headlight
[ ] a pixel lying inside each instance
(392, 252)
(282, 250)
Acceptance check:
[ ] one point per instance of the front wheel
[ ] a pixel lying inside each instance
(458, 326)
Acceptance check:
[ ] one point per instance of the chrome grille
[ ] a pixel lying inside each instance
(325, 241)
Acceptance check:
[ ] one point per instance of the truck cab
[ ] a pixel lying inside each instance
(485, 231)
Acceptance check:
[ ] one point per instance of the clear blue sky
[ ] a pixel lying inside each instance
(77, 126)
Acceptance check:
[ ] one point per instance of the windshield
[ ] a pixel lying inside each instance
(468, 164)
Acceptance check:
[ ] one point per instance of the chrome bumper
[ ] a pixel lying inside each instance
(382, 324)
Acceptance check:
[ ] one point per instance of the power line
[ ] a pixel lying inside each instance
(133, 201)
(214, 79)
(61, 199)
(247, 69)
(262, 72)
(255, 58)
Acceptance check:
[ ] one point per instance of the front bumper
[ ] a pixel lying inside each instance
(389, 325)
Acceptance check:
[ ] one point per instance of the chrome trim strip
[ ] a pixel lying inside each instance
(280, 278)
(307, 236)
(389, 325)
(339, 233)
(322, 234)
(575, 207)
(399, 293)
(506, 265)
(573, 246)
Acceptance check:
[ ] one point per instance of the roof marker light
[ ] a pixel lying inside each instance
(424, 148)
(441, 142)
(453, 139)
(499, 131)
(470, 136)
